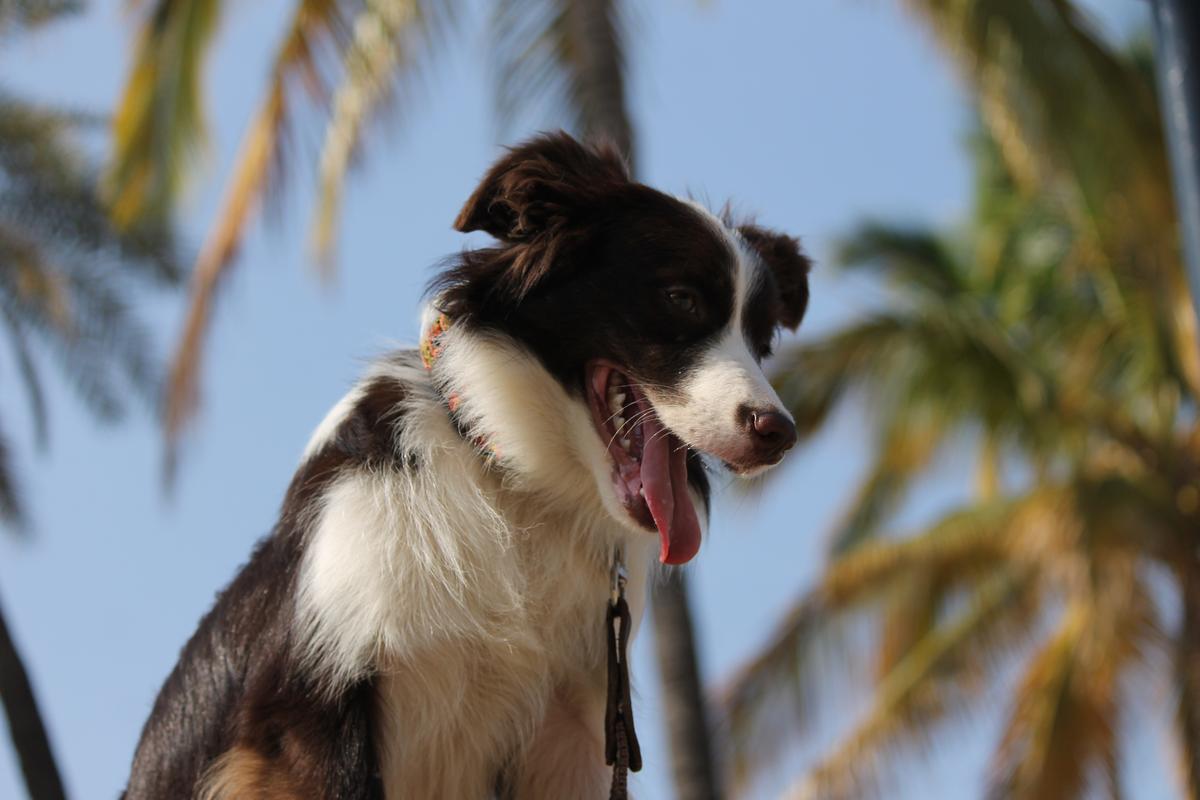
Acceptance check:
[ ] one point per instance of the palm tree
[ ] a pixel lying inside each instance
(568, 53)
(66, 275)
(1052, 335)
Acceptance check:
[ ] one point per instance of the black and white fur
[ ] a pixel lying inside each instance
(426, 618)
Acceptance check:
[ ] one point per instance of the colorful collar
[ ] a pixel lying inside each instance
(431, 348)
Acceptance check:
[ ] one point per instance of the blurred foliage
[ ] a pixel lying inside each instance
(69, 280)
(342, 61)
(17, 15)
(1052, 334)
(67, 273)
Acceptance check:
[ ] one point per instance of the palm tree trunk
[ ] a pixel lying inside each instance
(596, 30)
(1177, 31)
(1187, 679)
(25, 724)
(693, 769)
(599, 63)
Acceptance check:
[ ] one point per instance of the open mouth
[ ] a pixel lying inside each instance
(650, 469)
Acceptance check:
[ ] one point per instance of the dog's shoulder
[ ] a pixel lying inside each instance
(245, 655)
(191, 723)
(367, 426)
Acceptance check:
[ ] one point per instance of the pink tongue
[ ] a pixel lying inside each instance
(664, 480)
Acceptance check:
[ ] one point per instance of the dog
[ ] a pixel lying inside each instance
(425, 620)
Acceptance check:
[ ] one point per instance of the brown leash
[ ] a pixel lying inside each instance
(621, 748)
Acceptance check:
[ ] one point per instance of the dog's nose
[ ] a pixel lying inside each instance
(773, 433)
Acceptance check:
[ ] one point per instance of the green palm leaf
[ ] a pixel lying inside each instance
(1074, 118)
(910, 258)
(159, 123)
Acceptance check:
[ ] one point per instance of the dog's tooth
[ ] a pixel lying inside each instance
(619, 421)
(625, 444)
(620, 398)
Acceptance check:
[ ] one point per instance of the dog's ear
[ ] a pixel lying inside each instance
(789, 266)
(541, 187)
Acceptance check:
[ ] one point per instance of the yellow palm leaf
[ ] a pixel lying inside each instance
(314, 22)
(1061, 739)
(944, 670)
(381, 46)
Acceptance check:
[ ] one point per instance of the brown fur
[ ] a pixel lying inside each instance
(243, 773)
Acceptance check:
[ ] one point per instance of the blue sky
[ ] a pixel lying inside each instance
(811, 115)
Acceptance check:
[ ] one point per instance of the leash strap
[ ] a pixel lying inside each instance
(621, 748)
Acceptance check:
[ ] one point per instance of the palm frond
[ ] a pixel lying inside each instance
(107, 351)
(50, 194)
(1061, 739)
(908, 614)
(32, 13)
(315, 23)
(77, 305)
(159, 123)
(12, 511)
(388, 39)
(941, 674)
(780, 677)
(1046, 80)
(987, 474)
(568, 54)
(68, 272)
(813, 378)
(1046, 701)
(910, 258)
(953, 356)
(19, 339)
(1074, 117)
(910, 438)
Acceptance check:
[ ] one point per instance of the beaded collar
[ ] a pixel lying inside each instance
(432, 346)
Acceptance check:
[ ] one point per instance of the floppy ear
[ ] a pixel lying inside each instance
(540, 187)
(789, 266)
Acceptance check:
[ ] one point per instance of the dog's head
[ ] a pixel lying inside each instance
(651, 312)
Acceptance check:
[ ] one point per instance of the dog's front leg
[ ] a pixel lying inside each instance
(566, 756)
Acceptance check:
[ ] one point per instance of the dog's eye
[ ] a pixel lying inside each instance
(684, 298)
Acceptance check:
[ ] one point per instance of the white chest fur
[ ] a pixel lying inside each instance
(478, 609)
(528, 701)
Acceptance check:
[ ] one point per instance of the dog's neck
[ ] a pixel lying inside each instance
(508, 405)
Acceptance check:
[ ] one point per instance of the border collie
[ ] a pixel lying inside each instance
(426, 618)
